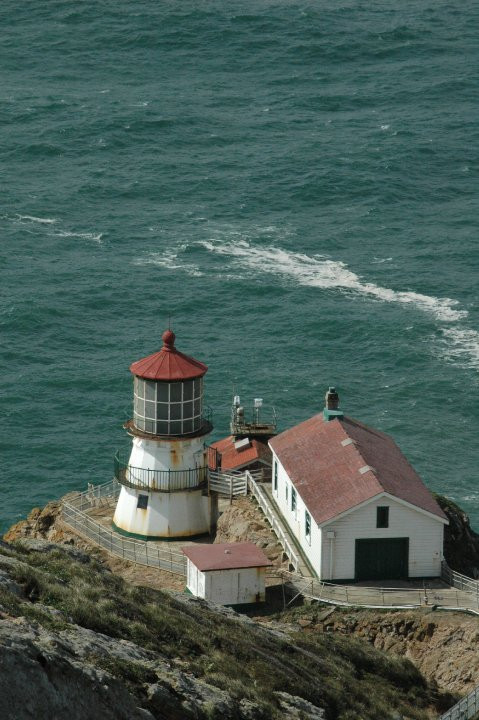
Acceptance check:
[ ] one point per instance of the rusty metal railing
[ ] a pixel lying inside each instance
(159, 480)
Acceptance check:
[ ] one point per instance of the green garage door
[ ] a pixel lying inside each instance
(383, 559)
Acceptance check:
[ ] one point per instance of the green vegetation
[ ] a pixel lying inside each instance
(345, 676)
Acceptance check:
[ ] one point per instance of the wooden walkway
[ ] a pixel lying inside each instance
(440, 596)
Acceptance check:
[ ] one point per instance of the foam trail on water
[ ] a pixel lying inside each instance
(32, 218)
(84, 236)
(318, 271)
(169, 259)
(462, 346)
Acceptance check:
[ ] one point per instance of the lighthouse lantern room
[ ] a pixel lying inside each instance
(164, 478)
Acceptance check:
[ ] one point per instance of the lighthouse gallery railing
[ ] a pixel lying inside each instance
(159, 480)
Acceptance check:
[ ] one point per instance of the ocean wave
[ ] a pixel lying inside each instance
(32, 218)
(169, 259)
(96, 237)
(322, 272)
(461, 345)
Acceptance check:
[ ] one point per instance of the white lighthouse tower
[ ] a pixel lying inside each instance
(164, 478)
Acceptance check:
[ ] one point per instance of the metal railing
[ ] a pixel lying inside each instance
(377, 597)
(137, 551)
(465, 709)
(459, 581)
(159, 480)
(262, 499)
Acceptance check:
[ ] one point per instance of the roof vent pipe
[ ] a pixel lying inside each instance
(332, 399)
(331, 405)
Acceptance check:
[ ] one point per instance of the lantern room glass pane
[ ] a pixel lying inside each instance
(175, 427)
(187, 426)
(150, 410)
(140, 423)
(139, 406)
(175, 392)
(187, 409)
(175, 411)
(197, 407)
(150, 390)
(162, 390)
(140, 387)
(162, 427)
(162, 411)
(197, 387)
(188, 390)
(150, 426)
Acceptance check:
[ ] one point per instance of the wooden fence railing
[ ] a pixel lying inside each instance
(262, 499)
(227, 484)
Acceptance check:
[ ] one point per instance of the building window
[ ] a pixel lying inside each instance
(286, 491)
(142, 503)
(382, 517)
(275, 475)
(307, 525)
(293, 500)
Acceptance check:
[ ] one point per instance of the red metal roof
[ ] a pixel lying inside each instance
(338, 464)
(168, 364)
(234, 458)
(226, 556)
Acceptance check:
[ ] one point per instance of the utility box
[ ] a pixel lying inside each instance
(227, 573)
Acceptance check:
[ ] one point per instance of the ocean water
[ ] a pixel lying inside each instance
(294, 183)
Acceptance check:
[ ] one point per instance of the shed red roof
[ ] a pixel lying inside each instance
(338, 464)
(226, 556)
(234, 458)
(168, 364)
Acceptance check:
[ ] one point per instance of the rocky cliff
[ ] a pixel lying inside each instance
(77, 642)
(461, 543)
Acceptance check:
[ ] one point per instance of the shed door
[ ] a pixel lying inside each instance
(382, 559)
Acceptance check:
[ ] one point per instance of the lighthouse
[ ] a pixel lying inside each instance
(164, 478)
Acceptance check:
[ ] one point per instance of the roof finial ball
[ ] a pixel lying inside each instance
(168, 338)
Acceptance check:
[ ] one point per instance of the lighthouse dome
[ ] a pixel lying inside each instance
(168, 391)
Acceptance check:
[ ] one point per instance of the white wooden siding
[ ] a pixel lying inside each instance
(296, 520)
(235, 587)
(425, 538)
(227, 587)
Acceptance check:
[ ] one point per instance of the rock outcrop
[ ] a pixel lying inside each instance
(461, 543)
(42, 523)
(442, 645)
(242, 521)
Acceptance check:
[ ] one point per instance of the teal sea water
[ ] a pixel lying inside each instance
(294, 182)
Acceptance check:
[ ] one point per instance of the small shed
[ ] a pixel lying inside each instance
(245, 453)
(227, 573)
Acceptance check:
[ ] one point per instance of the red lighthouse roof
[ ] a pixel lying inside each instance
(168, 364)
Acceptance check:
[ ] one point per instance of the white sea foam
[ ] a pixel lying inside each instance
(96, 237)
(462, 346)
(319, 271)
(169, 259)
(32, 218)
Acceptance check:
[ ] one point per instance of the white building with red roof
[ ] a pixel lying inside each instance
(164, 476)
(227, 573)
(356, 506)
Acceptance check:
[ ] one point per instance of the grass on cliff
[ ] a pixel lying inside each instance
(345, 676)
